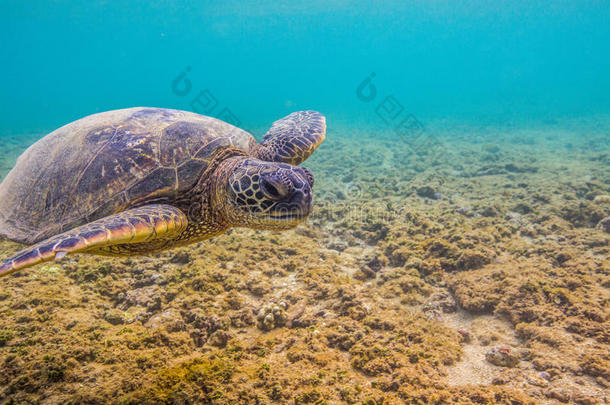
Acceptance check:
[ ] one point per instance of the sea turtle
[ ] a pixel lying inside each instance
(142, 180)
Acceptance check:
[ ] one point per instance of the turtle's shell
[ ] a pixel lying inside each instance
(105, 163)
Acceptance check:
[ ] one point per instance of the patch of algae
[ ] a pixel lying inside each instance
(181, 383)
(410, 270)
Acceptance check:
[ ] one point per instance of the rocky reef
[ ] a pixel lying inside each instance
(474, 275)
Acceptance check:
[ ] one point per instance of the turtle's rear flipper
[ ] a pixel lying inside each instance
(293, 138)
(139, 225)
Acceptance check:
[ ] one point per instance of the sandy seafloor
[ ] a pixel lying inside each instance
(477, 274)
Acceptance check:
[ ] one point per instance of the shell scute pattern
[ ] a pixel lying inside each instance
(159, 114)
(125, 158)
(106, 162)
(176, 148)
(160, 182)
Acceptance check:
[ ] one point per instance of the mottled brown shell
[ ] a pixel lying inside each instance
(106, 162)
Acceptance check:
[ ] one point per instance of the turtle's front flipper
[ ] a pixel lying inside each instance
(145, 224)
(293, 138)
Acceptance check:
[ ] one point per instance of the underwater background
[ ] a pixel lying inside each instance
(480, 61)
(458, 251)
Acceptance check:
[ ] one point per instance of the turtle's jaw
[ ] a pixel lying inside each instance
(279, 220)
(286, 219)
(295, 217)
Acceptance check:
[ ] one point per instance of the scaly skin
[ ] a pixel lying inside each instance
(139, 225)
(293, 138)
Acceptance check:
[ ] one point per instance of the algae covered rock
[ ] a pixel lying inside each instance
(114, 316)
(271, 316)
(604, 225)
(219, 338)
(502, 356)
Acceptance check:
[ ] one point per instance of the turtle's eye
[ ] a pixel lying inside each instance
(273, 188)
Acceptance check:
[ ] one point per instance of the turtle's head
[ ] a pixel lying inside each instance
(268, 195)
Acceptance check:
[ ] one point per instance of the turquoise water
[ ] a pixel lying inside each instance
(461, 219)
(476, 61)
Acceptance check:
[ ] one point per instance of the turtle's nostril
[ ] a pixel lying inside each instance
(308, 198)
(302, 198)
(307, 190)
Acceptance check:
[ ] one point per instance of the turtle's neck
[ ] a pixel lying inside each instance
(204, 205)
(210, 191)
